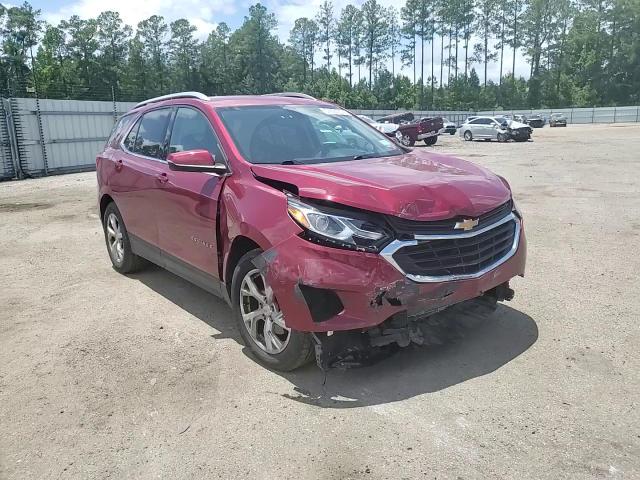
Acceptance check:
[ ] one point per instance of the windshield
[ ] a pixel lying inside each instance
(302, 134)
(366, 119)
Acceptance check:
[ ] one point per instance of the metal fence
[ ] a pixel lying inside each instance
(454, 115)
(580, 115)
(44, 137)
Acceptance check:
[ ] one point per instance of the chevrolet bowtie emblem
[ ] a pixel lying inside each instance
(466, 224)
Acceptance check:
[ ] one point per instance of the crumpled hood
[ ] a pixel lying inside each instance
(386, 127)
(416, 185)
(514, 124)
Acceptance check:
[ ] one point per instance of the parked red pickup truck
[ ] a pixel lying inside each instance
(326, 237)
(410, 129)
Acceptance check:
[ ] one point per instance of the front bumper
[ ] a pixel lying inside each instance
(422, 136)
(369, 287)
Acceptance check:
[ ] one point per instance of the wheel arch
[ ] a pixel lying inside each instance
(239, 247)
(105, 200)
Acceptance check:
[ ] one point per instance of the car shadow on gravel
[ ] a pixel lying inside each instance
(467, 352)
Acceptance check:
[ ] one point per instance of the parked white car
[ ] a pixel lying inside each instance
(494, 128)
(448, 127)
(386, 128)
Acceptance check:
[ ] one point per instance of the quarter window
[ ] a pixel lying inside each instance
(118, 128)
(151, 133)
(130, 139)
(192, 131)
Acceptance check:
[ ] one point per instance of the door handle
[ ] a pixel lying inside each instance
(119, 165)
(162, 178)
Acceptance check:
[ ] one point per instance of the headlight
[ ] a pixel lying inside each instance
(337, 230)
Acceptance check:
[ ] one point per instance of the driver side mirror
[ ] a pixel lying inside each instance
(194, 161)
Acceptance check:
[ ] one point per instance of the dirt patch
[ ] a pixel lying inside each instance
(19, 207)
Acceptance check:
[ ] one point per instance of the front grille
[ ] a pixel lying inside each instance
(406, 229)
(457, 256)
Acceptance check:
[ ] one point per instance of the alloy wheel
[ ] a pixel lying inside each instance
(115, 241)
(403, 139)
(261, 314)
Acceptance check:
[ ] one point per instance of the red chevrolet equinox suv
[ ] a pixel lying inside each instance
(326, 237)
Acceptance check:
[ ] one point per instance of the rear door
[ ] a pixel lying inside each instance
(486, 127)
(477, 128)
(189, 205)
(139, 175)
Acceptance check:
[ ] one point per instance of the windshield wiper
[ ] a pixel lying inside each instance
(366, 155)
(291, 162)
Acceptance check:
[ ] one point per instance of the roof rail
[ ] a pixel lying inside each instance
(171, 96)
(290, 94)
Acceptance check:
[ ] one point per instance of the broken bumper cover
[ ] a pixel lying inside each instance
(369, 289)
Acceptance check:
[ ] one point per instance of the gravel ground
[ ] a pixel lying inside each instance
(107, 376)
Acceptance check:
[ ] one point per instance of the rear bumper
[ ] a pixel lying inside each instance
(370, 289)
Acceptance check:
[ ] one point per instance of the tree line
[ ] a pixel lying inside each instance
(579, 53)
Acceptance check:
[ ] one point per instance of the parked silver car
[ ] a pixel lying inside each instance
(494, 128)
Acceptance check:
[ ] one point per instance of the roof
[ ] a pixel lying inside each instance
(234, 100)
(248, 100)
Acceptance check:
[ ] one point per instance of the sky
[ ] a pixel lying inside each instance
(206, 14)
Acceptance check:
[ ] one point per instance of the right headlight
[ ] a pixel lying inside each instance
(337, 229)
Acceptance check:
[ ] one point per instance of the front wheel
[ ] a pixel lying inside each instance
(431, 141)
(468, 136)
(405, 139)
(502, 137)
(261, 323)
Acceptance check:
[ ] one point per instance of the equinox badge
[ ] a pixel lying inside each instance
(466, 224)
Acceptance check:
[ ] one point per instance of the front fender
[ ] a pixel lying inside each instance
(254, 210)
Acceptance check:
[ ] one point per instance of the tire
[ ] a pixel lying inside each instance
(118, 245)
(468, 136)
(406, 140)
(502, 137)
(430, 141)
(452, 133)
(298, 348)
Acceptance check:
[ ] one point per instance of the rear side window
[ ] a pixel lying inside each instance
(192, 131)
(151, 133)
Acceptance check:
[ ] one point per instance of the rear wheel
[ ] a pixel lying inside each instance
(468, 136)
(262, 324)
(118, 245)
(431, 140)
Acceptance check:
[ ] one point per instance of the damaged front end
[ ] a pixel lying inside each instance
(376, 285)
(361, 348)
